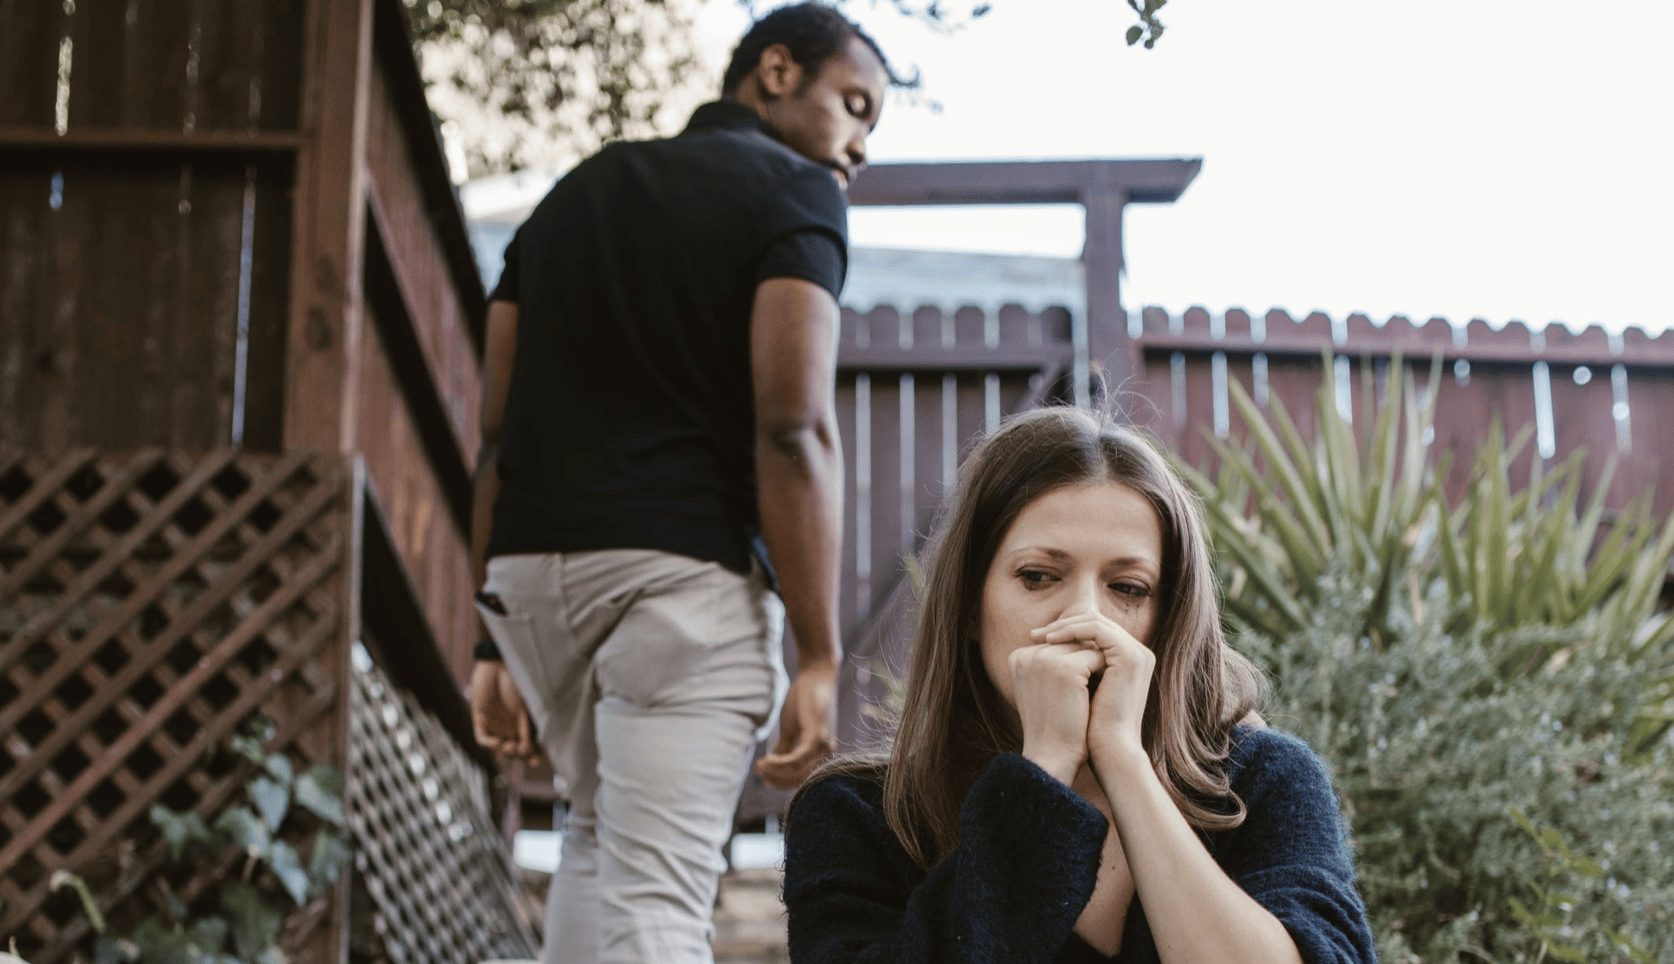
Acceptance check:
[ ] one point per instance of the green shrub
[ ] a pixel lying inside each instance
(1436, 750)
(1490, 679)
(285, 815)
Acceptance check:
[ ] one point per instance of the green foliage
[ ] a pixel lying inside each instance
(1490, 679)
(250, 911)
(1149, 28)
(542, 82)
(1434, 745)
(533, 83)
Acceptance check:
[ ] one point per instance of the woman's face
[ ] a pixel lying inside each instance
(1094, 546)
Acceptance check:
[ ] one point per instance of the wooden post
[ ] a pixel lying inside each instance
(324, 332)
(328, 245)
(1101, 260)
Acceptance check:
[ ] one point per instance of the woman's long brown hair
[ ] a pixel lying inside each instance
(952, 722)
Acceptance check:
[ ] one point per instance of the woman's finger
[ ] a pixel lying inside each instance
(1096, 629)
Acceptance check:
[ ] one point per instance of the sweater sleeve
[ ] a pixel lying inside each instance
(1024, 869)
(1292, 854)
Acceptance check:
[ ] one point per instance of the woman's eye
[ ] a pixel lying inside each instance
(1034, 578)
(1131, 589)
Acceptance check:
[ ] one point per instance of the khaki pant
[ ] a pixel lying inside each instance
(650, 678)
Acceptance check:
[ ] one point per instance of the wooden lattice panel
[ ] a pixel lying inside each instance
(150, 603)
(425, 843)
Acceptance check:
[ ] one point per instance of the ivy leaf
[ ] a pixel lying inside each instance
(110, 950)
(179, 829)
(209, 934)
(252, 743)
(245, 830)
(278, 766)
(287, 866)
(162, 944)
(272, 799)
(1135, 32)
(249, 748)
(254, 922)
(331, 854)
(320, 792)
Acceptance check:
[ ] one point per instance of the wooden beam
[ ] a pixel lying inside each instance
(1415, 353)
(1147, 180)
(145, 139)
(964, 358)
(443, 448)
(394, 47)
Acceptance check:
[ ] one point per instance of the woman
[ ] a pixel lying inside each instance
(1079, 774)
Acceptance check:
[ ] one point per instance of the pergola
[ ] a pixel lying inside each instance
(1103, 189)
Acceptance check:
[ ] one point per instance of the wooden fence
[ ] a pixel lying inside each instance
(151, 604)
(1592, 392)
(230, 225)
(916, 389)
(240, 334)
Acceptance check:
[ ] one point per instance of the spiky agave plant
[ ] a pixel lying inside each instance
(1289, 515)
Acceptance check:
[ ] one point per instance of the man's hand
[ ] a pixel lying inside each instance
(807, 728)
(498, 715)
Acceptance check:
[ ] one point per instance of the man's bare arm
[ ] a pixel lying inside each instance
(497, 711)
(799, 478)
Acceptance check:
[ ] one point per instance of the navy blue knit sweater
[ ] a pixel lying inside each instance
(1026, 862)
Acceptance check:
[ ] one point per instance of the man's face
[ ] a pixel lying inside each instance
(826, 116)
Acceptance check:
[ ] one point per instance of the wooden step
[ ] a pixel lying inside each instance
(750, 919)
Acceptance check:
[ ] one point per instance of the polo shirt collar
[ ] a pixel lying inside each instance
(724, 114)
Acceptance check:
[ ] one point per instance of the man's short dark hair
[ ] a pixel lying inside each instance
(813, 32)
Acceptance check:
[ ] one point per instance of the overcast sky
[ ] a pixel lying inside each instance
(1504, 159)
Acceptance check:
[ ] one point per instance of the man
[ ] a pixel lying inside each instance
(659, 416)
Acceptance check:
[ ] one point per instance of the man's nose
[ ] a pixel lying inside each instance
(857, 153)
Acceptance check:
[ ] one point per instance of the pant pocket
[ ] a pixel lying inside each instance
(665, 638)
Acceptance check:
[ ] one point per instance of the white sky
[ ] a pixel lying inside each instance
(1503, 159)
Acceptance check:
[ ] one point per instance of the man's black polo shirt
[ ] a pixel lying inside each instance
(630, 422)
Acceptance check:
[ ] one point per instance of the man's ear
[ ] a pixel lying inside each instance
(777, 72)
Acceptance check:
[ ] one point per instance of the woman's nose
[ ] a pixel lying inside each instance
(1083, 597)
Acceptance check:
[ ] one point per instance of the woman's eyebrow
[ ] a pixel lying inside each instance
(1145, 562)
(1046, 550)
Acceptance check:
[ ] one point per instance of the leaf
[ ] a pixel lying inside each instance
(326, 863)
(287, 867)
(111, 950)
(64, 878)
(278, 766)
(245, 830)
(1135, 32)
(209, 934)
(320, 791)
(179, 829)
(254, 922)
(159, 944)
(272, 800)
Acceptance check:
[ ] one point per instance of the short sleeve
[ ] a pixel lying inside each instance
(506, 288)
(804, 230)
